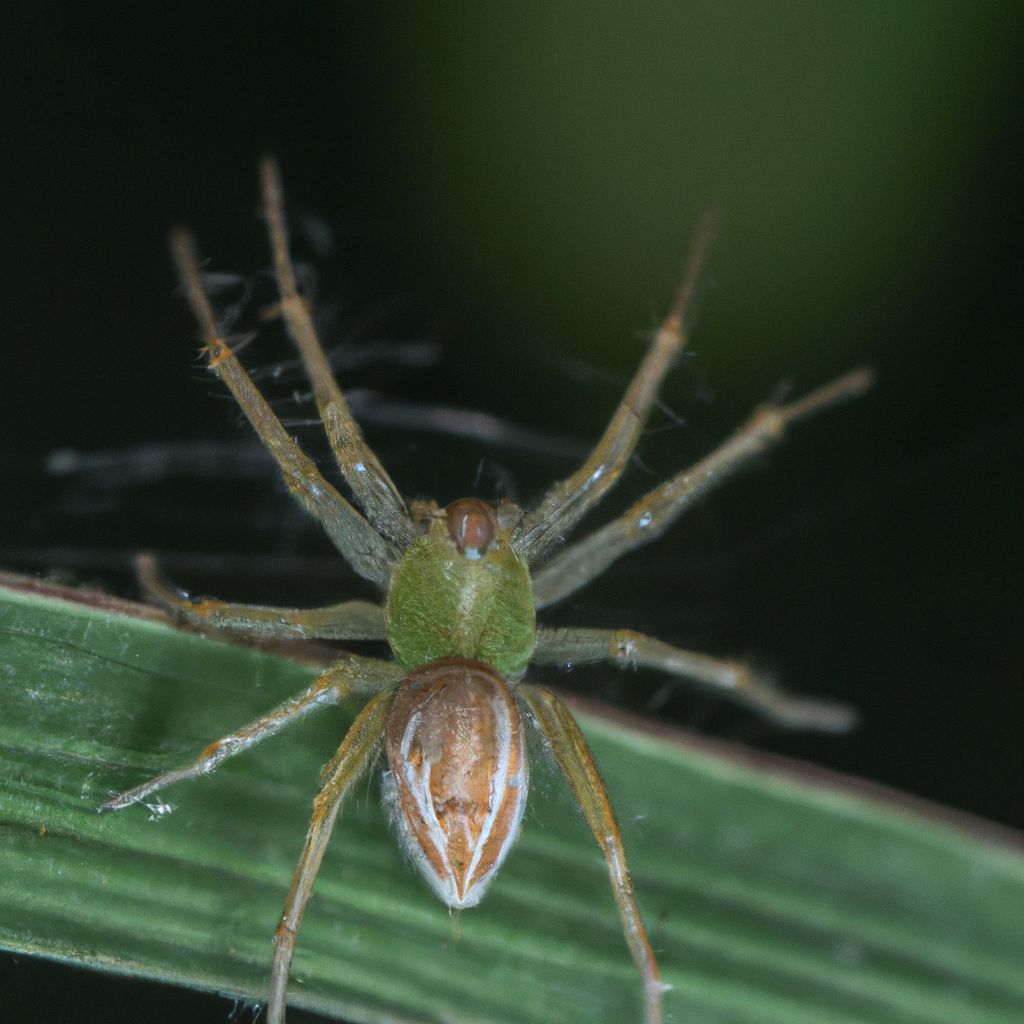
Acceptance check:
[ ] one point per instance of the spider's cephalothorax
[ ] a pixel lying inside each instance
(462, 587)
(461, 591)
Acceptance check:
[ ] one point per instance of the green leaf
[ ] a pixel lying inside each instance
(769, 897)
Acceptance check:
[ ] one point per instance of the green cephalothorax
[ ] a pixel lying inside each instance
(449, 599)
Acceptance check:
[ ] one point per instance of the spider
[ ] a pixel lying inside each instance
(461, 587)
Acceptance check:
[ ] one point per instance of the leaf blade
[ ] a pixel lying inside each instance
(769, 898)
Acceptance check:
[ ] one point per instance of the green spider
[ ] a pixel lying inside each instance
(461, 589)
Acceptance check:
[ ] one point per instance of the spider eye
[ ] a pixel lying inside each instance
(471, 524)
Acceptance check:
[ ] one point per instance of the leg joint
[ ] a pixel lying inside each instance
(623, 646)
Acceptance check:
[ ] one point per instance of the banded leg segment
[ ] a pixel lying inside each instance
(350, 620)
(355, 755)
(545, 526)
(350, 674)
(570, 749)
(735, 679)
(656, 511)
(362, 547)
(371, 485)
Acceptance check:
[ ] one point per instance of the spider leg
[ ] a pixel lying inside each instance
(349, 674)
(569, 499)
(354, 756)
(371, 485)
(649, 517)
(370, 554)
(350, 620)
(626, 649)
(570, 749)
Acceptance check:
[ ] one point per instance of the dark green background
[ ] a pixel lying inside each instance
(518, 185)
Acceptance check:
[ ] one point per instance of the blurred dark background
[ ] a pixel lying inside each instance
(513, 191)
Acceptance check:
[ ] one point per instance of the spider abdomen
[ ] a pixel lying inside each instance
(442, 604)
(458, 774)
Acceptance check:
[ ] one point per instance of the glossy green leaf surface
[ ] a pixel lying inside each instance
(769, 899)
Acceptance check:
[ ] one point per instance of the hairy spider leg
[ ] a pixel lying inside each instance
(348, 675)
(735, 679)
(652, 514)
(373, 489)
(559, 728)
(349, 620)
(355, 755)
(547, 525)
(370, 554)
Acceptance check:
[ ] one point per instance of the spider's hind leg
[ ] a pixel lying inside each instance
(570, 750)
(355, 755)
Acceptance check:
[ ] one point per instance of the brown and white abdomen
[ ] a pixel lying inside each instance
(458, 774)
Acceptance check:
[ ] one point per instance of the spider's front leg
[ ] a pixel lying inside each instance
(544, 526)
(626, 649)
(650, 516)
(373, 489)
(355, 755)
(349, 674)
(368, 552)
